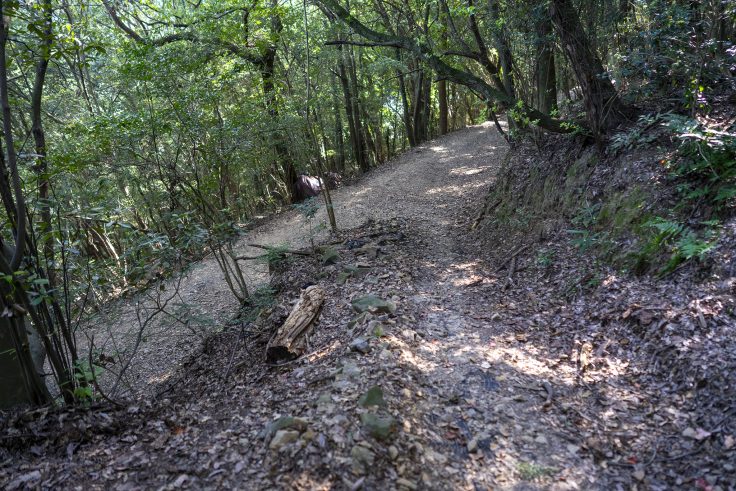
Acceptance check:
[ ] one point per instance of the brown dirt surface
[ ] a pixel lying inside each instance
(532, 367)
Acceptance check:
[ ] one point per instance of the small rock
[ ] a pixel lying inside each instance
(376, 328)
(283, 437)
(473, 445)
(179, 482)
(370, 250)
(374, 397)
(284, 423)
(728, 442)
(379, 427)
(405, 483)
(371, 303)
(350, 370)
(436, 457)
(362, 458)
(639, 475)
(330, 256)
(699, 434)
(360, 345)
(393, 452)
(360, 319)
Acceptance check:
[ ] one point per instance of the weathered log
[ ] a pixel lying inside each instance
(290, 341)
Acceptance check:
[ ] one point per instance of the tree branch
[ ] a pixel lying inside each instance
(340, 42)
(189, 36)
(423, 52)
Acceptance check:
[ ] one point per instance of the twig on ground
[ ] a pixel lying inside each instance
(511, 257)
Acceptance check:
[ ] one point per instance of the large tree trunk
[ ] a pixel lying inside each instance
(603, 107)
(20, 379)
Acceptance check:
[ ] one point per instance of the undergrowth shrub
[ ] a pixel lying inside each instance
(705, 160)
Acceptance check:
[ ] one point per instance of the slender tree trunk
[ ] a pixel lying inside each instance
(267, 66)
(503, 46)
(442, 96)
(288, 171)
(339, 137)
(442, 83)
(350, 109)
(418, 84)
(39, 136)
(364, 162)
(545, 76)
(406, 113)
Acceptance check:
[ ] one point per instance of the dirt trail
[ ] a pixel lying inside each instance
(540, 381)
(428, 184)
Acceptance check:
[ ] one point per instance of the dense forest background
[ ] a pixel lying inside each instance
(140, 134)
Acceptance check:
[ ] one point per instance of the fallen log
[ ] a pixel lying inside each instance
(290, 340)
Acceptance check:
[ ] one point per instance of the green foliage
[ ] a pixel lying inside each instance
(86, 375)
(276, 256)
(705, 161)
(662, 55)
(676, 240)
(530, 471)
(637, 136)
(308, 209)
(262, 297)
(584, 239)
(545, 258)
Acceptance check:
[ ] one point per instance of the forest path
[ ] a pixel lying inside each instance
(429, 184)
(468, 401)
(479, 379)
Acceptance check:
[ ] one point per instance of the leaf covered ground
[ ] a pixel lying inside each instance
(527, 366)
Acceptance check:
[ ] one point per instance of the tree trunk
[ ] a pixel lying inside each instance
(364, 162)
(349, 108)
(406, 113)
(20, 382)
(442, 84)
(505, 57)
(339, 137)
(442, 96)
(603, 107)
(544, 75)
(288, 171)
(291, 340)
(39, 138)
